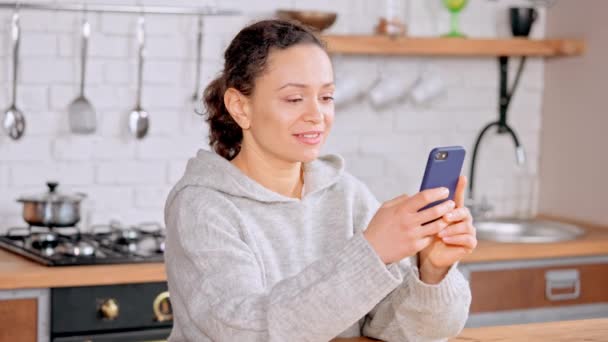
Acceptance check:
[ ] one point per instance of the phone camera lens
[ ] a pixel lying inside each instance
(441, 155)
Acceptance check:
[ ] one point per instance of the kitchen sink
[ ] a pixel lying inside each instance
(526, 231)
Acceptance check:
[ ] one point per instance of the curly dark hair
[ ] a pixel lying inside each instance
(244, 60)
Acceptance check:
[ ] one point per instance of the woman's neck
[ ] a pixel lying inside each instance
(277, 175)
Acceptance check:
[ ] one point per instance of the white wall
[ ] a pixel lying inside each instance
(574, 164)
(128, 179)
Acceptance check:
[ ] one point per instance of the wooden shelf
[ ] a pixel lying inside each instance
(383, 45)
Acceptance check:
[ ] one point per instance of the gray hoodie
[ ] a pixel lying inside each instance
(247, 264)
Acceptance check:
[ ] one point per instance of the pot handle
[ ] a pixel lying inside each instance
(52, 186)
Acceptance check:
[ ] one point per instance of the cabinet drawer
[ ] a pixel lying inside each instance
(18, 320)
(524, 288)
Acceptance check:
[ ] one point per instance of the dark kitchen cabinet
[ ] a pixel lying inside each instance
(18, 320)
(537, 287)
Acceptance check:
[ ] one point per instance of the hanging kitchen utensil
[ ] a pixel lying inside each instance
(81, 114)
(139, 121)
(197, 102)
(14, 120)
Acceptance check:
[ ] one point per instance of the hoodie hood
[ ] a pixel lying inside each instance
(212, 171)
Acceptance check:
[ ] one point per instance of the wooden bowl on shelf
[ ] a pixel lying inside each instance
(315, 19)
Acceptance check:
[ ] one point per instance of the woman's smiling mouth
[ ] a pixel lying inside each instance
(309, 138)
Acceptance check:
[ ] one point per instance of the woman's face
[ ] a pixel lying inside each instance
(291, 107)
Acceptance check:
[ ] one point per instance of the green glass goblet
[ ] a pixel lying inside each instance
(454, 6)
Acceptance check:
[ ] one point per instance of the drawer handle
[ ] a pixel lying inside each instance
(562, 280)
(162, 307)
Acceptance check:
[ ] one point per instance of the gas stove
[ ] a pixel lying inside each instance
(111, 243)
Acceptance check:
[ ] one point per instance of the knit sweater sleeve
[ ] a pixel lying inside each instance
(415, 311)
(218, 291)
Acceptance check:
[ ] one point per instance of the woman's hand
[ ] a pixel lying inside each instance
(396, 231)
(451, 244)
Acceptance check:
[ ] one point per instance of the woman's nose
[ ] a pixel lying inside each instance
(314, 112)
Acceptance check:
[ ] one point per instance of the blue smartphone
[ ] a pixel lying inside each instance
(443, 168)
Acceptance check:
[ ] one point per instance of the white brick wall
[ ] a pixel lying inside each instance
(128, 179)
(131, 173)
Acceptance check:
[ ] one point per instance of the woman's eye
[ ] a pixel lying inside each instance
(294, 100)
(328, 98)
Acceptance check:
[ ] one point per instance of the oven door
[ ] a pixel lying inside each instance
(151, 335)
(122, 312)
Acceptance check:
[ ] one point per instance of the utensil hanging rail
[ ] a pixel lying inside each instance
(75, 7)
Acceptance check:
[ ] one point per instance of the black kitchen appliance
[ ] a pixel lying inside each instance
(102, 244)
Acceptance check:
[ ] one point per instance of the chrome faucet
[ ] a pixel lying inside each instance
(480, 210)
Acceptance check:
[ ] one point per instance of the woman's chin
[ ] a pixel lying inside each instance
(305, 156)
(299, 153)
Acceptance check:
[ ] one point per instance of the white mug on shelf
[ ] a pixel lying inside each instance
(389, 90)
(350, 89)
(429, 86)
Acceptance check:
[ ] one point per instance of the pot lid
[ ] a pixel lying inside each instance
(53, 196)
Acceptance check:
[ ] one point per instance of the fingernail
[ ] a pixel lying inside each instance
(452, 204)
(449, 215)
(445, 191)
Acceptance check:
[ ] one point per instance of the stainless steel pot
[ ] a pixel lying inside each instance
(52, 209)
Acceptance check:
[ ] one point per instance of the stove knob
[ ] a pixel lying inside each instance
(109, 309)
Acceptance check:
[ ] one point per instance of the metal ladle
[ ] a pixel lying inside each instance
(139, 121)
(14, 121)
(82, 116)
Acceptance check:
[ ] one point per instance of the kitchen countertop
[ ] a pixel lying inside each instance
(593, 242)
(17, 272)
(579, 330)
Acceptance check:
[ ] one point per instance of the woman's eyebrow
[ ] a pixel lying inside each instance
(301, 85)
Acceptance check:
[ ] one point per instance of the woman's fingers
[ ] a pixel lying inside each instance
(457, 229)
(459, 194)
(424, 198)
(458, 214)
(423, 243)
(432, 228)
(464, 240)
(434, 212)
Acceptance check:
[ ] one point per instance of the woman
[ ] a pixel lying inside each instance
(267, 241)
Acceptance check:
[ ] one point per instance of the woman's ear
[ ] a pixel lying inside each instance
(237, 105)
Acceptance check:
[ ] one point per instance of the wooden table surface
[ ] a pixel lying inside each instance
(590, 330)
